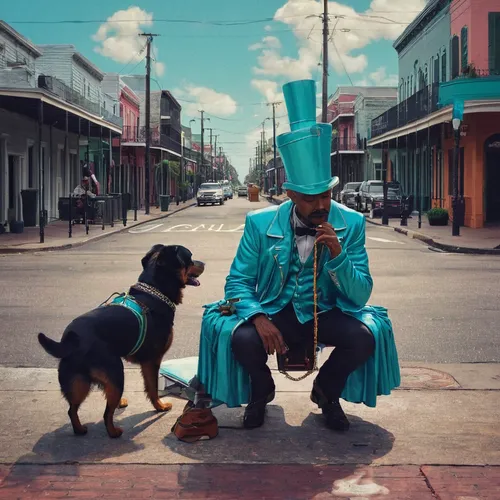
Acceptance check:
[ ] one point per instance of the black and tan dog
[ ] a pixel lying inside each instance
(137, 327)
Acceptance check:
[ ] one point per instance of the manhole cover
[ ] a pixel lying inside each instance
(426, 378)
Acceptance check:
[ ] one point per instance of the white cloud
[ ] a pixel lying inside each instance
(206, 99)
(382, 79)
(351, 31)
(379, 78)
(268, 42)
(118, 40)
(268, 27)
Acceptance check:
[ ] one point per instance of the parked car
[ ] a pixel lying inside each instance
(210, 193)
(228, 192)
(371, 197)
(242, 191)
(348, 194)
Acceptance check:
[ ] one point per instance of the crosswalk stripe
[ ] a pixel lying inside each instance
(383, 240)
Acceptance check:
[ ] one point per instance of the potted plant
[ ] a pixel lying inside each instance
(438, 216)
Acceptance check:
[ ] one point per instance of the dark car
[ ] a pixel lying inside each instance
(371, 198)
(348, 194)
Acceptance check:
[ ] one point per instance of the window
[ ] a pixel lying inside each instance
(443, 66)
(436, 69)
(494, 42)
(31, 167)
(464, 47)
(378, 171)
(426, 75)
(455, 57)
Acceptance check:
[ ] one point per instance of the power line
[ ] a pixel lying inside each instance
(241, 22)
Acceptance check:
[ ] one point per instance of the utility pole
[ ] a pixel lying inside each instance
(215, 155)
(324, 107)
(147, 166)
(202, 144)
(274, 104)
(211, 155)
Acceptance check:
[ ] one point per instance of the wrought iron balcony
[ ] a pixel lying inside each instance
(61, 90)
(341, 144)
(419, 105)
(138, 135)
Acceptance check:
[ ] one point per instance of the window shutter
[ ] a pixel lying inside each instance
(455, 57)
(494, 42)
(465, 47)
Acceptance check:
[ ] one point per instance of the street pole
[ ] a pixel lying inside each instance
(456, 224)
(147, 166)
(215, 154)
(211, 156)
(324, 107)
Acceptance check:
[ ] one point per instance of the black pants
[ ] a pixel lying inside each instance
(353, 341)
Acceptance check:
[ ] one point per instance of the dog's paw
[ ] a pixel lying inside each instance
(114, 433)
(123, 403)
(159, 406)
(80, 431)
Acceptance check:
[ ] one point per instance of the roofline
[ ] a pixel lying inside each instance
(78, 56)
(20, 38)
(409, 29)
(172, 97)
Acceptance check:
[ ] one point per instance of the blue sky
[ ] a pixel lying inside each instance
(230, 71)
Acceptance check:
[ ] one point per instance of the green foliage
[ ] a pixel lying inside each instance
(175, 168)
(437, 213)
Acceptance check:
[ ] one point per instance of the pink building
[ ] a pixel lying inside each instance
(476, 24)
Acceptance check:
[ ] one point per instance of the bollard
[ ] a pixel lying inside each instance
(70, 216)
(405, 210)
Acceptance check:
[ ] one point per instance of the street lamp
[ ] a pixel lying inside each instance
(456, 223)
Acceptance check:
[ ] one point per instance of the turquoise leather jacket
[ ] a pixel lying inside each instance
(260, 268)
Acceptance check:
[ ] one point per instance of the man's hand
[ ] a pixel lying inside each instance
(327, 236)
(270, 335)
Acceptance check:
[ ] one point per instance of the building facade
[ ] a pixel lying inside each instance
(46, 127)
(416, 137)
(350, 112)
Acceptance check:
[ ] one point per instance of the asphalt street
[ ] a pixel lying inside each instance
(444, 307)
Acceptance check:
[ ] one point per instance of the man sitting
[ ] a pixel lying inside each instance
(271, 289)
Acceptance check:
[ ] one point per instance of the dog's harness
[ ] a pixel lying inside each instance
(139, 310)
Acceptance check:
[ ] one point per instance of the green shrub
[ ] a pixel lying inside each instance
(437, 213)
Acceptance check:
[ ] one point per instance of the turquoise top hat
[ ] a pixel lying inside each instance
(305, 150)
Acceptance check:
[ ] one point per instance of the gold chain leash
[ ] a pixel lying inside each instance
(315, 302)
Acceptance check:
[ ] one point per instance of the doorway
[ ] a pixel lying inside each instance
(492, 178)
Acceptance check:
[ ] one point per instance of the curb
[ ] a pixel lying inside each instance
(440, 246)
(13, 250)
(275, 201)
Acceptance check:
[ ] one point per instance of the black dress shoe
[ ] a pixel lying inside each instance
(255, 412)
(333, 412)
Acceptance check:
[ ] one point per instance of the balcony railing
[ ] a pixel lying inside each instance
(61, 90)
(347, 144)
(341, 108)
(138, 134)
(418, 106)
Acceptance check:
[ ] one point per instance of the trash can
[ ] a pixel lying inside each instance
(30, 204)
(164, 202)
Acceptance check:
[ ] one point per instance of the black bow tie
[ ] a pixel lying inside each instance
(305, 231)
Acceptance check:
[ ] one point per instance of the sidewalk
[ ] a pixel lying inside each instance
(437, 437)
(473, 241)
(56, 233)
(485, 240)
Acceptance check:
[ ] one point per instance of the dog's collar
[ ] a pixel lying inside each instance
(143, 287)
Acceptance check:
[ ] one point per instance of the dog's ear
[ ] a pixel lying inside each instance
(152, 254)
(175, 256)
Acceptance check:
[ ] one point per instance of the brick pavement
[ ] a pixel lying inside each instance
(249, 482)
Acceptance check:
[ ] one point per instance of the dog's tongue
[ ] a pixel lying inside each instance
(193, 281)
